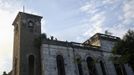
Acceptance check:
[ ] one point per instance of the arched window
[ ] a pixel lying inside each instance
(31, 62)
(79, 67)
(103, 68)
(31, 26)
(120, 69)
(60, 65)
(91, 66)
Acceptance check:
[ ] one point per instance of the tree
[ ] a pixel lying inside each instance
(4, 73)
(38, 40)
(125, 48)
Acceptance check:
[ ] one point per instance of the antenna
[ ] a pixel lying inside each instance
(23, 8)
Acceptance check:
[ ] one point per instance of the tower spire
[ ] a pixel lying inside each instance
(23, 8)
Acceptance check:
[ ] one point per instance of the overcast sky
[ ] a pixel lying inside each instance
(72, 20)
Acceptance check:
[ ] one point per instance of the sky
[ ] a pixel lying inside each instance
(72, 20)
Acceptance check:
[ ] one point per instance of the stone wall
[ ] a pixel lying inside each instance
(70, 54)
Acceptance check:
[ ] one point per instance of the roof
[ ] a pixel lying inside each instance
(105, 36)
(102, 36)
(24, 13)
(70, 44)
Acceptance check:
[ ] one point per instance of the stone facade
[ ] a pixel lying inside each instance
(71, 51)
(73, 57)
(27, 28)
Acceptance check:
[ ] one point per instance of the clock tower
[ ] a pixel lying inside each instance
(26, 57)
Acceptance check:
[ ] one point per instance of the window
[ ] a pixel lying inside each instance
(103, 68)
(31, 62)
(31, 26)
(91, 66)
(60, 65)
(120, 69)
(79, 67)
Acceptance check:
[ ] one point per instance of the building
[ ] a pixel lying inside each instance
(55, 57)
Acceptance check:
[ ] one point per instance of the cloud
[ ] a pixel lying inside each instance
(108, 1)
(6, 44)
(89, 8)
(43, 26)
(128, 10)
(96, 18)
(116, 16)
(95, 24)
(126, 19)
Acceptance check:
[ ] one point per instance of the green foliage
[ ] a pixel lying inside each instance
(38, 41)
(125, 48)
(43, 36)
(4, 73)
